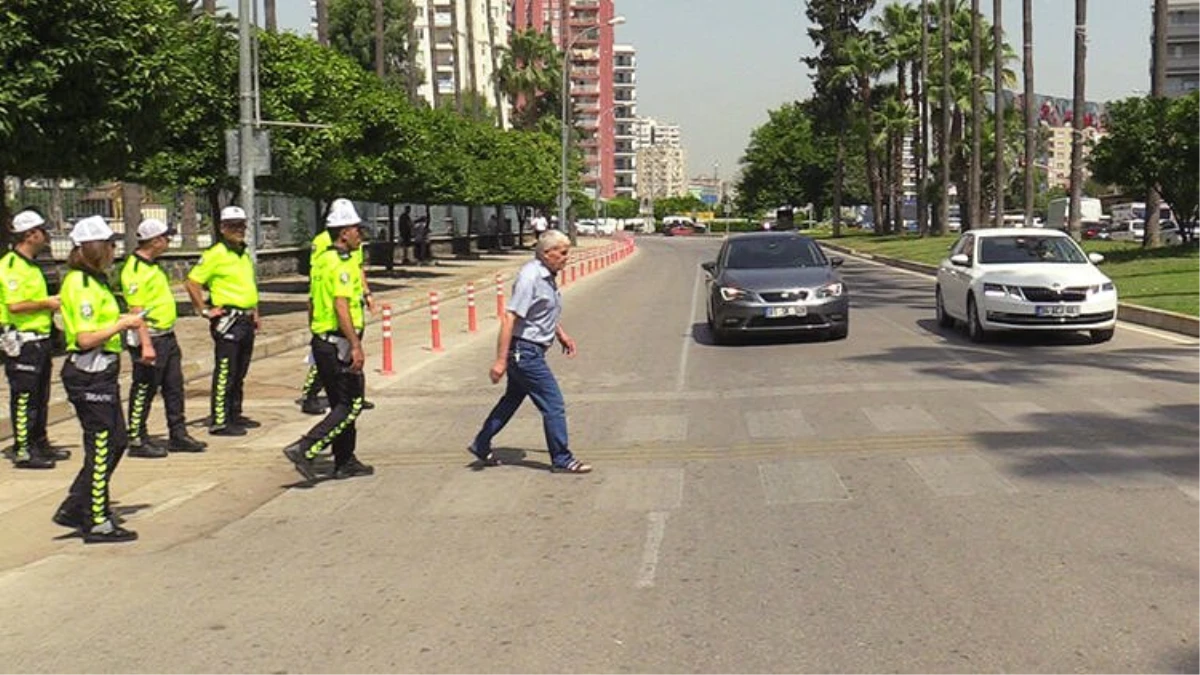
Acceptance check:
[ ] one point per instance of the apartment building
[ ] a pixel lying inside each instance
(457, 45)
(581, 28)
(625, 121)
(661, 160)
(1183, 47)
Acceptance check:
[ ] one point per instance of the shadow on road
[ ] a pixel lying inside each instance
(703, 335)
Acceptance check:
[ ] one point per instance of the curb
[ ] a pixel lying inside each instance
(1161, 319)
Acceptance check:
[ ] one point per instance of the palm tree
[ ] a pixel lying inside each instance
(901, 49)
(531, 75)
(1031, 124)
(1077, 115)
(1158, 77)
(1000, 176)
(863, 65)
(944, 27)
(975, 207)
(921, 93)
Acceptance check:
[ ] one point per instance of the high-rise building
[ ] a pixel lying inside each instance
(625, 117)
(652, 132)
(457, 47)
(582, 26)
(661, 161)
(1183, 47)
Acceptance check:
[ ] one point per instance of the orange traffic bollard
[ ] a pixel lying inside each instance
(435, 326)
(472, 324)
(387, 340)
(499, 296)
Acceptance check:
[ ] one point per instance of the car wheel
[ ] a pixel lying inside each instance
(944, 320)
(839, 332)
(1104, 335)
(975, 329)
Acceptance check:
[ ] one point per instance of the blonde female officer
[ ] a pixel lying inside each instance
(94, 325)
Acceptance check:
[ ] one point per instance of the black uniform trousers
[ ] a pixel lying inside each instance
(345, 389)
(29, 396)
(166, 374)
(232, 350)
(97, 401)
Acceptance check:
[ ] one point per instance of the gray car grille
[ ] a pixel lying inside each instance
(1043, 294)
(783, 296)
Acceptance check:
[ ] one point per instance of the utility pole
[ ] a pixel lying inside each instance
(1158, 84)
(1031, 124)
(1001, 176)
(923, 102)
(975, 179)
(379, 38)
(322, 22)
(944, 168)
(246, 123)
(1077, 116)
(269, 11)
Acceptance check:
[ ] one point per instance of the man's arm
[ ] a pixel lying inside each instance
(50, 303)
(502, 344)
(346, 325)
(371, 306)
(565, 340)
(196, 292)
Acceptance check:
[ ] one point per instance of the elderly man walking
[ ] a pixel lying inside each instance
(528, 329)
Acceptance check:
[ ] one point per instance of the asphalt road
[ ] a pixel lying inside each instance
(903, 500)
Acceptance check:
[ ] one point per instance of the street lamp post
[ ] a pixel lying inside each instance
(566, 128)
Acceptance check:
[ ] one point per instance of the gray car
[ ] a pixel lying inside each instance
(772, 282)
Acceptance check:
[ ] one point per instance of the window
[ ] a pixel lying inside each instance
(773, 252)
(1035, 249)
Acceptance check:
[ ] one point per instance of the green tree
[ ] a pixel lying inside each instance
(352, 32)
(783, 163)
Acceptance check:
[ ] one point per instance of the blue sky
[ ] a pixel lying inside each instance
(715, 67)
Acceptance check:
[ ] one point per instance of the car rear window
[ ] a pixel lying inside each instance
(773, 252)
(1033, 249)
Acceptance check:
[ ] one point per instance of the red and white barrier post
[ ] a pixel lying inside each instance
(499, 296)
(472, 324)
(387, 340)
(435, 326)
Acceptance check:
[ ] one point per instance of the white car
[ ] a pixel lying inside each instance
(1023, 279)
(1135, 230)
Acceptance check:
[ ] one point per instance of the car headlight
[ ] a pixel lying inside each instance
(830, 290)
(1102, 288)
(731, 293)
(1003, 291)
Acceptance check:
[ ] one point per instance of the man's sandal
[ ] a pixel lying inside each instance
(575, 466)
(486, 460)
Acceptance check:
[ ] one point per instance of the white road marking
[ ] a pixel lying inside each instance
(959, 475)
(801, 483)
(654, 428)
(161, 495)
(654, 537)
(681, 377)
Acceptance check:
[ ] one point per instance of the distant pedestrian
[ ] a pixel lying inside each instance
(493, 232)
(94, 327)
(528, 329)
(159, 364)
(26, 321)
(421, 240)
(540, 225)
(336, 322)
(405, 223)
(227, 271)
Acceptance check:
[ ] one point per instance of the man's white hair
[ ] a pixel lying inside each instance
(550, 239)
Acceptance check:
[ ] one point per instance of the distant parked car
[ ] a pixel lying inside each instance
(1009, 279)
(1095, 231)
(1135, 230)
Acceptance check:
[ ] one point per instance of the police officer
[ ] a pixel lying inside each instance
(93, 324)
(336, 324)
(159, 364)
(227, 271)
(26, 319)
(310, 403)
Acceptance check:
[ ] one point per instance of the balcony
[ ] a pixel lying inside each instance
(442, 20)
(585, 55)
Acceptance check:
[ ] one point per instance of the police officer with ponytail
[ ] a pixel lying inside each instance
(147, 287)
(336, 323)
(94, 328)
(227, 271)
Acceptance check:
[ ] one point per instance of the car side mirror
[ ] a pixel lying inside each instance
(836, 261)
(709, 267)
(1096, 258)
(960, 259)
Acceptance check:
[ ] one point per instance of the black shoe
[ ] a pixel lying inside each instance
(486, 460)
(185, 443)
(59, 454)
(35, 461)
(352, 469)
(146, 448)
(296, 453)
(226, 430)
(111, 534)
(246, 422)
(74, 519)
(367, 405)
(312, 407)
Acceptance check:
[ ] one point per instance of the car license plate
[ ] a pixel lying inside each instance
(778, 312)
(1058, 310)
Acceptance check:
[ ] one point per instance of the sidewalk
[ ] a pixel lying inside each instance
(283, 303)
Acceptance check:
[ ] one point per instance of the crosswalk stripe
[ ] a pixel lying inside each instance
(1015, 414)
(160, 495)
(641, 490)
(654, 428)
(18, 493)
(959, 475)
(1115, 467)
(900, 418)
(478, 493)
(800, 482)
(788, 423)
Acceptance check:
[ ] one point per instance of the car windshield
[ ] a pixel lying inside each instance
(1034, 249)
(773, 253)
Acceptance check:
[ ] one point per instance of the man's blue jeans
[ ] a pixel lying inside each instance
(529, 375)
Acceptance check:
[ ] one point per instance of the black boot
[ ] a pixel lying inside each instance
(183, 442)
(296, 452)
(146, 448)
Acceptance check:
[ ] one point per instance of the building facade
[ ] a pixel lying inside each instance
(1183, 47)
(581, 28)
(625, 121)
(661, 160)
(457, 44)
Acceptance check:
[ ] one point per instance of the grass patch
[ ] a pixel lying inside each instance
(1164, 278)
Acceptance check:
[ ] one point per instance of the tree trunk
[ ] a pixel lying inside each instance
(430, 18)
(1077, 116)
(898, 156)
(187, 227)
(1000, 181)
(476, 98)
(131, 213)
(921, 142)
(491, 24)
(839, 180)
(874, 174)
(944, 149)
(210, 7)
(975, 177)
(269, 12)
(380, 68)
(1152, 238)
(458, 102)
(1031, 123)
(323, 22)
